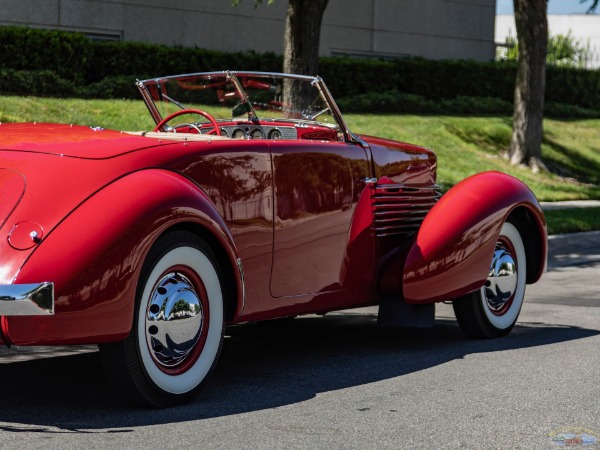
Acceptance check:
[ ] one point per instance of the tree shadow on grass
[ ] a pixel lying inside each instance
(580, 167)
(262, 366)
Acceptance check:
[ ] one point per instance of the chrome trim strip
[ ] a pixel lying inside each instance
(27, 299)
(241, 270)
(335, 111)
(243, 95)
(235, 73)
(398, 210)
(148, 101)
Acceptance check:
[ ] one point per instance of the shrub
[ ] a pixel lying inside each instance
(67, 54)
(37, 82)
(395, 101)
(111, 87)
(64, 63)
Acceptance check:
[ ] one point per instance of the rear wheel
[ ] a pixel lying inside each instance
(492, 311)
(178, 325)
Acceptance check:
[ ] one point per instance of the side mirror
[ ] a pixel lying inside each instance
(241, 109)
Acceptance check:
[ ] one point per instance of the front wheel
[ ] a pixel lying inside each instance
(492, 311)
(178, 325)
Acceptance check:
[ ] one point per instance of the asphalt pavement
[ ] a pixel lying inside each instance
(340, 382)
(573, 249)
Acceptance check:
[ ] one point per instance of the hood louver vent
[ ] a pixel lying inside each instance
(400, 210)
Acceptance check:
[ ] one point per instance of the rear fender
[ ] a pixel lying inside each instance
(454, 246)
(94, 257)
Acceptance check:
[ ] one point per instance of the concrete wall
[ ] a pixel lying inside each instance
(436, 29)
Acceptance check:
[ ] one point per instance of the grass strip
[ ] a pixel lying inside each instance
(464, 145)
(573, 220)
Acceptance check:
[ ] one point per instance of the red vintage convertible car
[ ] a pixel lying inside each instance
(249, 200)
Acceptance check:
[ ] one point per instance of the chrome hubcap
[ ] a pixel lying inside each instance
(174, 320)
(502, 279)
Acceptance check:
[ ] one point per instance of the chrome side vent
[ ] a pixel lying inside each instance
(399, 210)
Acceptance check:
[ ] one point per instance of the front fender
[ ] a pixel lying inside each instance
(454, 246)
(94, 256)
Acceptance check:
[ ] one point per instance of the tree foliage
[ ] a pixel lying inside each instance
(564, 50)
(593, 6)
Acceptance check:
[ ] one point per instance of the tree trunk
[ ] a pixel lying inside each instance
(302, 36)
(532, 35)
(301, 44)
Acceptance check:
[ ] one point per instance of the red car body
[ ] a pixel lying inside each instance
(322, 221)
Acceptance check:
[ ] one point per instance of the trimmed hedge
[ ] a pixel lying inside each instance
(144, 60)
(36, 82)
(63, 63)
(73, 56)
(66, 54)
(395, 101)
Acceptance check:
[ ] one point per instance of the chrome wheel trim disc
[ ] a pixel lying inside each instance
(184, 380)
(174, 320)
(504, 314)
(502, 280)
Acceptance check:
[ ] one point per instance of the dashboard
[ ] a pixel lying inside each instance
(262, 130)
(256, 131)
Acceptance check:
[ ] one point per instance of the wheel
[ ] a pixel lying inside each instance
(492, 311)
(216, 130)
(177, 329)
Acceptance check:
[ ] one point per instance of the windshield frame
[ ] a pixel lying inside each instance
(316, 81)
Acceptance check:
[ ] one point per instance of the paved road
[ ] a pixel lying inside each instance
(339, 382)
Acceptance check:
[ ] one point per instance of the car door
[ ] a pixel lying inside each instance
(319, 233)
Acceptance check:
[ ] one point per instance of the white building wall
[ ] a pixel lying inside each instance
(436, 29)
(585, 28)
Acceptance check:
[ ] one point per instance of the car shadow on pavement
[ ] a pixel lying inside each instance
(262, 366)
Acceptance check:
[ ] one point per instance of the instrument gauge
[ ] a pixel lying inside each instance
(238, 133)
(257, 133)
(275, 134)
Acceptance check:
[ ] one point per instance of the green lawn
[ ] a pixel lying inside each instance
(465, 145)
(573, 220)
(114, 114)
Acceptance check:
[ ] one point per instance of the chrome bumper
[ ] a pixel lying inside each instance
(27, 299)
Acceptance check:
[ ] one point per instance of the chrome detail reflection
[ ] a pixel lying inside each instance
(502, 279)
(400, 210)
(241, 270)
(174, 320)
(27, 299)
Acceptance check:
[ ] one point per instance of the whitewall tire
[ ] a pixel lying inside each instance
(178, 325)
(492, 311)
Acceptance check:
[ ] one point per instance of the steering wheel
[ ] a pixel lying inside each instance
(204, 114)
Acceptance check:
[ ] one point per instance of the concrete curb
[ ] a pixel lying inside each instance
(550, 206)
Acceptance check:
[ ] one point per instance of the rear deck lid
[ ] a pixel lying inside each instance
(70, 140)
(13, 188)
